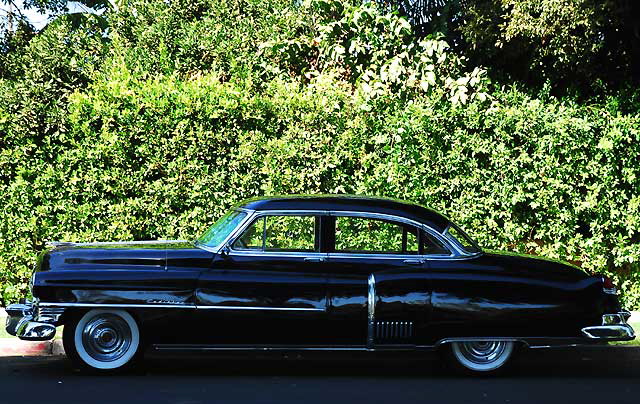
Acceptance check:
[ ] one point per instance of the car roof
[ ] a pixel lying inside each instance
(355, 203)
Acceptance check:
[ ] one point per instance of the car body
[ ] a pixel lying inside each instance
(314, 273)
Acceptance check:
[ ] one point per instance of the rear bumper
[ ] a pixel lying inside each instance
(21, 323)
(614, 328)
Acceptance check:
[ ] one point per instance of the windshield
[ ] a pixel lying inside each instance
(221, 229)
(455, 233)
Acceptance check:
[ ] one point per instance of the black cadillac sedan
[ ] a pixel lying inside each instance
(314, 273)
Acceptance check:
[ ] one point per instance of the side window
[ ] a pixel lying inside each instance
(463, 239)
(252, 238)
(432, 246)
(374, 236)
(279, 233)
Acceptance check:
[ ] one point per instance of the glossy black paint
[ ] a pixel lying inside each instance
(321, 299)
(506, 295)
(238, 284)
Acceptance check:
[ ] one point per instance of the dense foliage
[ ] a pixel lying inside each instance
(154, 126)
(583, 47)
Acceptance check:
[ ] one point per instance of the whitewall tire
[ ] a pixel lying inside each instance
(103, 339)
(481, 357)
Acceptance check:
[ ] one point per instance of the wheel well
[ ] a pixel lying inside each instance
(72, 314)
(75, 313)
(446, 342)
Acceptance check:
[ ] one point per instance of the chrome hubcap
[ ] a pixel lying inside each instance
(483, 352)
(106, 337)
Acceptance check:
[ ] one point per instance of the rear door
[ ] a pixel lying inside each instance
(378, 283)
(270, 288)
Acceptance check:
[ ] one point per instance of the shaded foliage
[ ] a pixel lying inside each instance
(584, 47)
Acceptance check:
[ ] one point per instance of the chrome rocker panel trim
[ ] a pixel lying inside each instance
(251, 348)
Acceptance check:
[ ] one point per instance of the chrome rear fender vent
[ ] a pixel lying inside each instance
(393, 330)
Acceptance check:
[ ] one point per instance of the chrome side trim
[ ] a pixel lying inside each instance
(176, 306)
(259, 308)
(99, 243)
(118, 305)
(371, 311)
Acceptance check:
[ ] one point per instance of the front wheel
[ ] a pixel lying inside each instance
(102, 340)
(480, 357)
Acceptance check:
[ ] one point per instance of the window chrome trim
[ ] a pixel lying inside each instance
(214, 250)
(457, 253)
(284, 254)
(237, 231)
(400, 219)
(457, 245)
(217, 248)
(375, 255)
(263, 213)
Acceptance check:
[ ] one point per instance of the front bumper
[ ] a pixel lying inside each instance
(614, 328)
(21, 323)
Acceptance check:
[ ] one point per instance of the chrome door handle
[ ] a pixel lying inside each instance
(314, 259)
(413, 262)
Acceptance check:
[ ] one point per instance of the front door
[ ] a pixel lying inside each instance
(269, 288)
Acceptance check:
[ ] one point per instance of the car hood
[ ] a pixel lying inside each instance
(124, 255)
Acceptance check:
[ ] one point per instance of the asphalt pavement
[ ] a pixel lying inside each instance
(593, 375)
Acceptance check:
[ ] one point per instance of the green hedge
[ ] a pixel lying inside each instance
(140, 156)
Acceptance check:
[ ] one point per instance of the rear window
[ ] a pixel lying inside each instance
(374, 236)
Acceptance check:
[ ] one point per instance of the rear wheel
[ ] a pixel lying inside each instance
(480, 357)
(102, 340)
